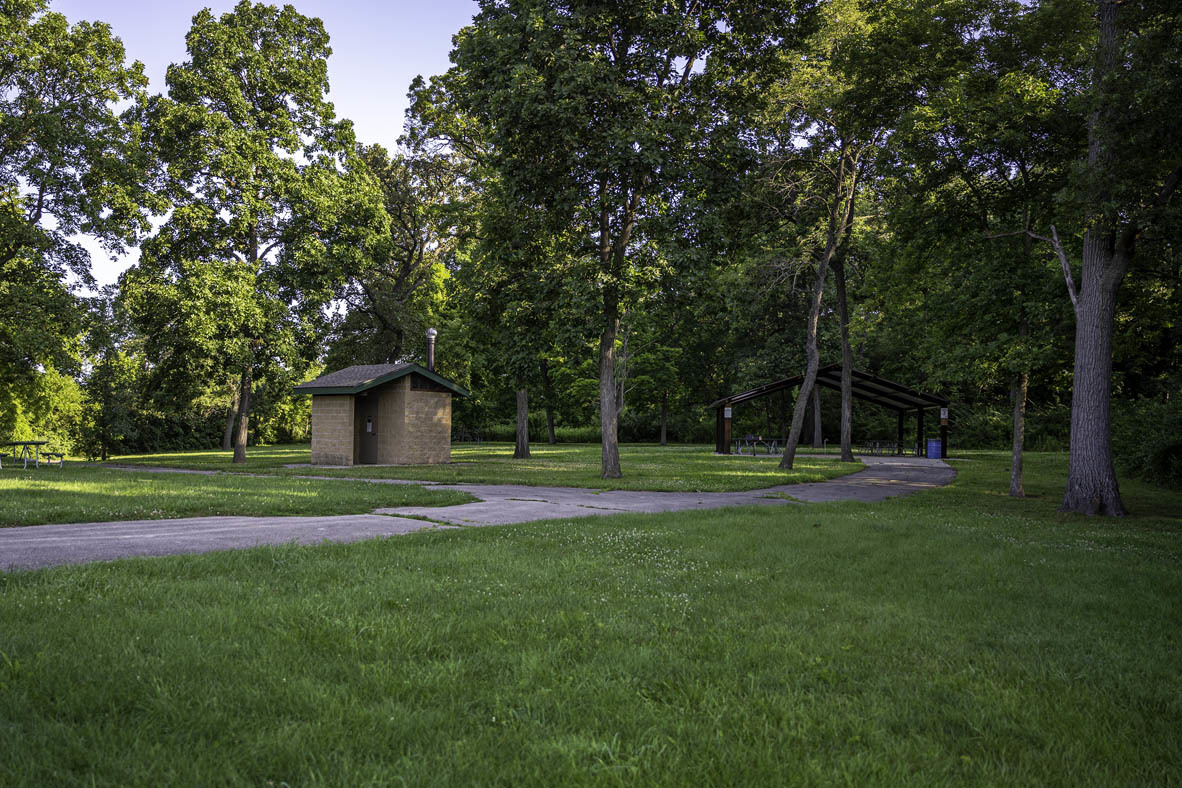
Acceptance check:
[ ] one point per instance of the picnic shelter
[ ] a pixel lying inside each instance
(864, 386)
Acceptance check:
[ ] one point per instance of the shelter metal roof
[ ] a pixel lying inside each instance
(354, 380)
(864, 386)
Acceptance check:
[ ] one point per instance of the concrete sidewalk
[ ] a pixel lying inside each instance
(38, 546)
(884, 477)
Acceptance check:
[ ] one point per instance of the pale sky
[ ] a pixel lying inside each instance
(378, 47)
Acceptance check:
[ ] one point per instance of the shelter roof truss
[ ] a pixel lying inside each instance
(864, 386)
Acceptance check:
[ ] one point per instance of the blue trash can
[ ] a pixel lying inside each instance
(934, 449)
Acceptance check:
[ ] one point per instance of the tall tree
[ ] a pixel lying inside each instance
(590, 110)
(264, 182)
(844, 92)
(392, 299)
(69, 165)
(985, 150)
(1132, 170)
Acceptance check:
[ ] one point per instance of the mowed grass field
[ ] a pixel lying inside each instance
(83, 493)
(956, 637)
(674, 468)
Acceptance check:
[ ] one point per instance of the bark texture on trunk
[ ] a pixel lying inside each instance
(1091, 473)
(1107, 251)
(231, 417)
(847, 360)
(612, 264)
(241, 433)
(608, 417)
(1018, 395)
(521, 449)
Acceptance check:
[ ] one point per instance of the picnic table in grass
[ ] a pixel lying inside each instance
(884, 448)
(753, 442)
(30, 450)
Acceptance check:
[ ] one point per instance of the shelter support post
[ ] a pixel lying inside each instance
(943, 439)
(922, 448)
(722, 430)
(899, 439)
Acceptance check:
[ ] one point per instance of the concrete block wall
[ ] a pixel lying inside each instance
(332, 429)
(392, 421)
(416, 425)
(428, 427)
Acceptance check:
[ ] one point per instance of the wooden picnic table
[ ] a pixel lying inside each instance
(25, 454)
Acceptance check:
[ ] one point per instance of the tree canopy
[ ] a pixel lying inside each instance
(620, 211)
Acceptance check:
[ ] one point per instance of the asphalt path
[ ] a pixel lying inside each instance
(39, 546)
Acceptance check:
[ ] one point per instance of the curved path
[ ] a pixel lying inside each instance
(37, 546)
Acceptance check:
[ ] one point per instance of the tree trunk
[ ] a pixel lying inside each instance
(1018, 395)
(548, 397)
(521, 450)
(608, 417)
(847, 359)
(840, 215)
(228, 435)
(664, 418)
(1107, 251)
(810, 374)
(1091, 473)
(818, 435)
(243, 416)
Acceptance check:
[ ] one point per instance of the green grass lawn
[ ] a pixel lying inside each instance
(645, 466)
(955, 637)
(82, 493)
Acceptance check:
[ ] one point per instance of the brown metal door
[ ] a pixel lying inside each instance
(367, 416)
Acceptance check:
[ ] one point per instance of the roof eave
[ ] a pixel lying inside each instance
(303, 388)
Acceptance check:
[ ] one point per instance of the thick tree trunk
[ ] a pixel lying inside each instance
(548, 396)
(608, 417)
(664, 418)
(521, 450)
(847, 360)
(228, 434)
(1107, 251)
(1091, 473)
(1018, 395)
(243, 416)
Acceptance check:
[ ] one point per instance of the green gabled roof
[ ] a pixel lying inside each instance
(354, 380)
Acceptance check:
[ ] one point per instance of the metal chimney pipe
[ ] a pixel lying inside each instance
(431, 334)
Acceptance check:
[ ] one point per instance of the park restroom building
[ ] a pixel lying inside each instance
(381, 414)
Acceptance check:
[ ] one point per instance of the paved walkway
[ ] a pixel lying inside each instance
(40, 546)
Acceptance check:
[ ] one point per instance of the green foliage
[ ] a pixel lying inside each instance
(272, 206)
(1145, 440)
(46, 406)
(507, 431)
(69, 165)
